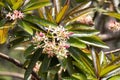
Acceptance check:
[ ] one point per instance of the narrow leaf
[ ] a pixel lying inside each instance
(113, 14)
(62, 12)
(75, 42)
(26, 26)
(36, 5)
(93, 40)
(39, 21)
(33, 61)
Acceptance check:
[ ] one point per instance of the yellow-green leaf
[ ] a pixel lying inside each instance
(62, 12)
(17, 4)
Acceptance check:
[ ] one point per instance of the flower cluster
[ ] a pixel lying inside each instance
(15, 15)
(54, 43)
(86, 19)
(113, 25)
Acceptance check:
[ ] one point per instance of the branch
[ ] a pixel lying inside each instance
(112, 51)
(17, 63)
(12, 74)
(108, 37)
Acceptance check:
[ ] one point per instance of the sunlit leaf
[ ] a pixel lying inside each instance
(79, 56)
(93, 40)
(3, 34)
(79, 76)
(40, 21)
(26, 26)
(36, 5)
(2, 4)
(17, 4)
(62, 12)
(115, 78)
(113, 14)
(108, 69)
(75, 42)
(78, 26)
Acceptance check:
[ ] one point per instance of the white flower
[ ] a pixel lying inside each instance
(15, 15)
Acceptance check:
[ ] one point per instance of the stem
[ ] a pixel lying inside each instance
(17, 63)
(12, 74)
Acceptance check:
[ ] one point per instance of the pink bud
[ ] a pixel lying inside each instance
(70, 33)
(41, 34)
(67, 46)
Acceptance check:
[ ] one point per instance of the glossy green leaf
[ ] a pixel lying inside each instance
(32, 63)
(69, 78)
(75, 42)
(108, 69)
(93, 40)
(62, 12)
(36, 5)
(79, 56)
(83, 33)
(115, 78)
(113, 14)
(96, 62)
(49, 15)
(26, 26)
(39, 21)
(79, 76)
(78, 26)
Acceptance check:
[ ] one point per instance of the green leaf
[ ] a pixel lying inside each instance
(78, 26)
(93, 40)
(69, 78)
(36, 5)
(96, 62)
(2, 4)
(2, 22)
(78, 7)
(62, 12)
(29, 50)
(115, 78)
(84, 33)
(75, 42)
(115, 61)
(26, 26)
(79, 76)
(33, 61)
(76, 15)
(44, 67)
(82, 59)
(113, 14)
(17, 4)
(108, 69)
(70, 67)
(39, 21)
(17, 41)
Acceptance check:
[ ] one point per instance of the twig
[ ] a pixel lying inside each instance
(17, 63)
(12, 74)
(108, 37)
(112, 51)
